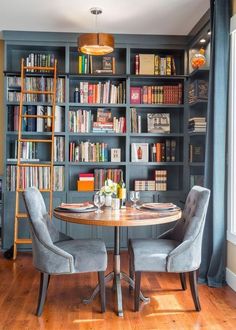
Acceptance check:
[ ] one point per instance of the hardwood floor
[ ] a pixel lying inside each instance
(170, 307)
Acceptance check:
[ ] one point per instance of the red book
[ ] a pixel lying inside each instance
(86, 175)
(90, 93)
(135, 95)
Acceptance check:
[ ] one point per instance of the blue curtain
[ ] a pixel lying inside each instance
(212, 270)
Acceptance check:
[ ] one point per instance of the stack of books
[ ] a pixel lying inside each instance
(85, 182)
(158, 123)
(161, 180)
(144, 185)
(197, 124)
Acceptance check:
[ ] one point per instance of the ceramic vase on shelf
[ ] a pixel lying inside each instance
(198, 59)
(108, 200)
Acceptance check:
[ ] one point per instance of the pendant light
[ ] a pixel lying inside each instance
(96, 43)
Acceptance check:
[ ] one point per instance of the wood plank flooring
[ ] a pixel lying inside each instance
(170, 307)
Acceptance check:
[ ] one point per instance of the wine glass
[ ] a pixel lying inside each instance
(99, 201)
(134, 197)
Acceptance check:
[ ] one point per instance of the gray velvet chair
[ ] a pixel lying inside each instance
(177, 250)
(54, 253)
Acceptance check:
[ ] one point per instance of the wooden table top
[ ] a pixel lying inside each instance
(120, 218)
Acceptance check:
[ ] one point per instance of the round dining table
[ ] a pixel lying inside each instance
(119, 218)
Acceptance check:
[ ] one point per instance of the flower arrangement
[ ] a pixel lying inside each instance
(110, 188)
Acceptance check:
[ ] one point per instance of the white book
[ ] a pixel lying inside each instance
(59, 119)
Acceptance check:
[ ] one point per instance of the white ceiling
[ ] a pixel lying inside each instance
(172, 17)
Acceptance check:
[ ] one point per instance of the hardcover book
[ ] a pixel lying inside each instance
(146, 64)
(158, 122)
(135, 95)
(139, 152)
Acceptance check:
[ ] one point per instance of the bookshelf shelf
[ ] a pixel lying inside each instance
(97, 164)
(167, 106)
(97, 134)
(198, 102)
(97, 105)
(165, 135)
(197, 134)
(156, 164)
(158, 77)
(196, 164)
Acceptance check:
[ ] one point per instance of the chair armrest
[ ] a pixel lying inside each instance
(185, 257)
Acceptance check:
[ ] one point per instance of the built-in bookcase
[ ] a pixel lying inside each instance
(93, 77)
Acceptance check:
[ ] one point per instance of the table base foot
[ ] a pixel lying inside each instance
(108, 278)
(130, 281)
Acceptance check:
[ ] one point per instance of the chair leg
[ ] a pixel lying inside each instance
(131, 271)
(194, 290)
(137, 291)
(183, 281)
(101, 279)
(44, 282)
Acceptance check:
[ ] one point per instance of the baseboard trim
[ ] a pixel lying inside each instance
(231, 279)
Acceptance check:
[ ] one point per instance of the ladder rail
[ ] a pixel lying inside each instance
(21, 163)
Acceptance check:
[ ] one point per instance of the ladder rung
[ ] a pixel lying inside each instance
(35, 140)
(34, 165)
(36, 116)
(21, 215)
(50, 68)
(41, 190)
(23, 241)
(37, 92)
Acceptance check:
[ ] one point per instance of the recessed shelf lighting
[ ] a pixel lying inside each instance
(202, 41)
(209, 32)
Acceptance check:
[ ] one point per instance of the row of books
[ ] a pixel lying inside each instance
(35, 176)
(164, 151)
(197, 124)
(86, 65)
(159, 184)
(198, 90)
(36, 124)
(101, 175)
(86, 151)
(59, 149)
(151, 64)
(100, 92)
(83, 121)
(165, 94)
(196, 153)
(159, 152)
(39, 59)
(28, 151)
(36, 84)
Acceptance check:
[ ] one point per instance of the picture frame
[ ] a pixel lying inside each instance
(139, 152)
(158, 123)
(115, 155)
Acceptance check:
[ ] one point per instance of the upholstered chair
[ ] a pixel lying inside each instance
(54, 253)
(177, 250)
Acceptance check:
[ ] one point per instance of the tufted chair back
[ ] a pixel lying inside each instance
(189, 231)
(46, 256)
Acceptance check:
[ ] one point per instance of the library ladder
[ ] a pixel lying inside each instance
(21, 164)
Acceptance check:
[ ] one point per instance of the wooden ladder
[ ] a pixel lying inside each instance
(20, 162)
